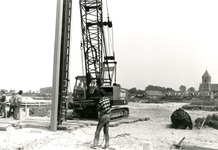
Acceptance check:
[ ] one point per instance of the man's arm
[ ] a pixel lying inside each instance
(99, 108)
(3, 99)
(10, 100)
(19, 99)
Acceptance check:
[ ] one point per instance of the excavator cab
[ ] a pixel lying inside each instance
(79, 90)
(84, 104)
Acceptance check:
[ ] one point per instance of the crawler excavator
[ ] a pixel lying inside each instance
(99, 64)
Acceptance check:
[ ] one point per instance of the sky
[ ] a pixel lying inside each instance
(164, 43)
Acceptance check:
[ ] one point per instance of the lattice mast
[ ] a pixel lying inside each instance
(94, 45)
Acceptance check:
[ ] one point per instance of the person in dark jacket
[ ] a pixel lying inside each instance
(104, 110)
(3, 103)
(11, 105)
(18, 101)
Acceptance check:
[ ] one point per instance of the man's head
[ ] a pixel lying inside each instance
(20, 92)
(101, 92)
(2, 92)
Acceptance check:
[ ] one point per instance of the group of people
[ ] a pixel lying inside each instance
(14, 104)
(103, 109)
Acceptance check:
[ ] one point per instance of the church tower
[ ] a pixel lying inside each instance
(206, 82)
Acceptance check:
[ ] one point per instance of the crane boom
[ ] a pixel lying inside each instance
(94, 44)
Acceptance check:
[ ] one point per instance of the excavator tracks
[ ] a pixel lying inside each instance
(119, 113)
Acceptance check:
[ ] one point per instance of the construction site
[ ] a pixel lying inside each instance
(134, 132)
(75, 113)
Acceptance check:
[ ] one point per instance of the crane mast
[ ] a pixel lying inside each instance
(94, 46)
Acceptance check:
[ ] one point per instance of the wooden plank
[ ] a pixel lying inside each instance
(3, 126)
(144, 119)
(190, 147)
(114, 124)
(44, 122)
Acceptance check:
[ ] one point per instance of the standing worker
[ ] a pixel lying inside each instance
(103, 109)
(18, 101)
(3, 103)
(11, 105)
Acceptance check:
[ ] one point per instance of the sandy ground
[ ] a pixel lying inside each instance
(156, 132)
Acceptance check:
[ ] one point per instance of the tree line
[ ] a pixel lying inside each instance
(134, 90)
(41, 90)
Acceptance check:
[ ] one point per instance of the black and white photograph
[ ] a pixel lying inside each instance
(109, 74)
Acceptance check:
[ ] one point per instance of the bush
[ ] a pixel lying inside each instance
(200, 107)
(152, 101)
(39, 111)
(211, 121)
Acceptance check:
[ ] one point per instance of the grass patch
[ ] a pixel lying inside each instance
(205, 103)
(200, 107)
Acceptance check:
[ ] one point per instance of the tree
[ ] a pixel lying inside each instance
(136, 91)
(169, 89)
(140, 91)
(191, 89)
(6, 91)
(11, 91)
(46, 90)
(182, 88)
(150, 88)
(132, 90)
(158, 88)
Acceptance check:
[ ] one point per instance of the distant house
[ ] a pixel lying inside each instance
(176, 94)
(189, 94)
(153, 94)
(200, 94)
(206, 90)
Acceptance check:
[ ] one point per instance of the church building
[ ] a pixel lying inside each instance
(206, 84)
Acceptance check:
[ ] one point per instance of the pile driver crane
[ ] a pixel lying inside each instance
(99, 62)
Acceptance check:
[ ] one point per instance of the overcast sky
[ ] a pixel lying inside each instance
(165, 43)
